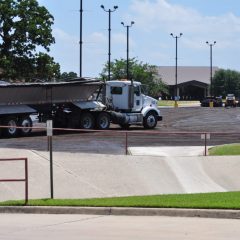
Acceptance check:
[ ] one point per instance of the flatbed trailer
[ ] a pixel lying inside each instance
(54, 100)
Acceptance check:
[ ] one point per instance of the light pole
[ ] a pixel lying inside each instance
(211, 45)
(176, 76)
(81, 42)
(128, 26)
(109, 36)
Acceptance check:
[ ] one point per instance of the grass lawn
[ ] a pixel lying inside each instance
(226, 200)
(228, 149)
(171, 102)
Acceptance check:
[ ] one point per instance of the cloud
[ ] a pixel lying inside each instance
(64, 38)
(160, 15)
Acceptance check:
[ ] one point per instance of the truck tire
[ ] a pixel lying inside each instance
(86, 121)
(11, 131)
(103, 121)
(150, 120)
(25, 122)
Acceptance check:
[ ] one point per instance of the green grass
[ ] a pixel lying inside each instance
(226, 200)
(171, 102)
(228, 149)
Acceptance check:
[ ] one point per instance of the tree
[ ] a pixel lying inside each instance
(46, 68)
(68, 75)
(138, 71)
(24, 25)
(225, 82)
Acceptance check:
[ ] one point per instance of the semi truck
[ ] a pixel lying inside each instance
(80, 103)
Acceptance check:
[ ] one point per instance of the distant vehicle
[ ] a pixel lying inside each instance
(217, 102)
(231, 101)
(4, 83)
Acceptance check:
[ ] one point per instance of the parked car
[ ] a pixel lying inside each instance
(217, 102)
(231, 101)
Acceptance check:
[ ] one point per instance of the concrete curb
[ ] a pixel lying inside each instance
(118, 211)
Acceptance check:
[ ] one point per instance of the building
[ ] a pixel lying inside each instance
(192, 82)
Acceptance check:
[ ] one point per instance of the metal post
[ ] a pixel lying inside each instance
(131, 97)
(128, 26)
(211, 76)
(211, 70)
(51, 167)
(176, 70)
(109, 45)
(205, 139)
(127, 52)
(81, 42)
(126, 143)
(109, 38)
(26, 181)
(50, 134)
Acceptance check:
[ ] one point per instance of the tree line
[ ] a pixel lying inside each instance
(225, 82)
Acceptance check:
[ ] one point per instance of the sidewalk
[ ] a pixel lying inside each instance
(78, 175)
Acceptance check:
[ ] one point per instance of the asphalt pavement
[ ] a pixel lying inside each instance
(98, 227)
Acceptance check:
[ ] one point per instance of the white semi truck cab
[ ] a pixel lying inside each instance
(130, 105)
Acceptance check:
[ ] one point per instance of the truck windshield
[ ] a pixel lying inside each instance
(144, 89)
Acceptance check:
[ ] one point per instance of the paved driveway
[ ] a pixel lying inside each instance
(89, 227)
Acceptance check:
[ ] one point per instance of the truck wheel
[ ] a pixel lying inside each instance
(150, 120)
(103, 121)
(11, 131)
(87, 121)
(25, 122)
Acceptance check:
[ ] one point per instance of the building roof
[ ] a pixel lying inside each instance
(186, 74)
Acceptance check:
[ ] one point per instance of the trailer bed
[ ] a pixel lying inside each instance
(47, 93)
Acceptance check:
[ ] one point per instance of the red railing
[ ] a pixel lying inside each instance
(18, 179)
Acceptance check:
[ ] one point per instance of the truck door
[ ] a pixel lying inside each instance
(137, 106)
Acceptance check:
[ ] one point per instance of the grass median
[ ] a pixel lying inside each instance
(225, 150)
(170, 103)
(225, 200)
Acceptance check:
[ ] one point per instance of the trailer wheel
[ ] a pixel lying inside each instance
(103, 121)
(150, 120)
(87, 121)
(11, 131)
(25, 122)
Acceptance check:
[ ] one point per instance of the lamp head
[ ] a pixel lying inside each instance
(181, 34)
(102, 6)
(215, 42)
(132, 22)
(122, 23)
(115, 7)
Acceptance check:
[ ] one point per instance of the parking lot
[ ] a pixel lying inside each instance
(180, 127)
(175, 130)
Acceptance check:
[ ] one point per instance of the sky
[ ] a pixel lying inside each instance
(149, 38)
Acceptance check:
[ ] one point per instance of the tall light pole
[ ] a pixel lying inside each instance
(81, 42)
(128, 26)
(211, 45)
(176, 72)
(109, 36)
